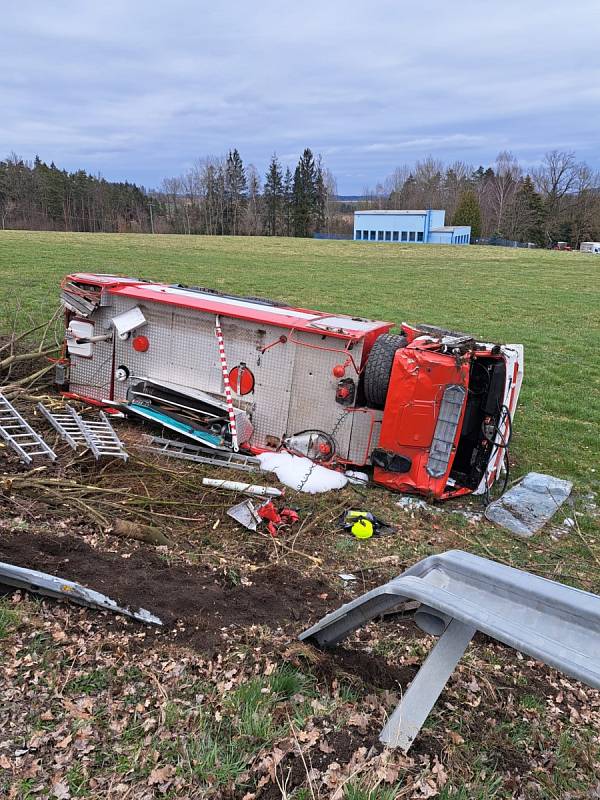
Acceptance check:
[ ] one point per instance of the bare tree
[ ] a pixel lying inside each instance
(557, 174)
(394, 183)
(331, 202)
(253, 217)
(502, 188)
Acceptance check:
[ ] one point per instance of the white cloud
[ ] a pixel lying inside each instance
(140, 90)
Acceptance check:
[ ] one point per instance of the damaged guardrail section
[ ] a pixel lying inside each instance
(460, 594)
(31, 580)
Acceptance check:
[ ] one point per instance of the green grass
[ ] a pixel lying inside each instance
(8, 619)
(359, 790)
(549, 301)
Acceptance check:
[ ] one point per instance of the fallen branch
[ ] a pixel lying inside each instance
(30, 356)
(12, 390)
(142, 533)
(15, 339)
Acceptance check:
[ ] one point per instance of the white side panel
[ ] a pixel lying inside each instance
(313, 405)
(294, 384)
(366, 428)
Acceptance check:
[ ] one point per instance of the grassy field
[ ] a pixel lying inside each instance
(549, 301)
(99, 709)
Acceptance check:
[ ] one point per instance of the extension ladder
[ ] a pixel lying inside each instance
(204, 455)
(19, 434)
(99, 436)
(64, 424)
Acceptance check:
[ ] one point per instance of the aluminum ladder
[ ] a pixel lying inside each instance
(64, 424)
(99, 436)
(204, 455)
(19, 434)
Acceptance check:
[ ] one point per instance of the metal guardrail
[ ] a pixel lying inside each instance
(500, 242)
(460, 594)
(341, 236)
(61, 589)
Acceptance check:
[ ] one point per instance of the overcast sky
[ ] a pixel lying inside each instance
(140, 90)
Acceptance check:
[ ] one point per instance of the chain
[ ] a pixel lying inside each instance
(314, 464)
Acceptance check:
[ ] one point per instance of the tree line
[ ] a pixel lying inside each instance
(35, 196)
(222, 196)
(219, 196)
(559, 200)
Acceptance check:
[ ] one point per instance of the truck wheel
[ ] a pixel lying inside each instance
(379, 367)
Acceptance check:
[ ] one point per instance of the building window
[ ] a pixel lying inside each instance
(388, 236)
(365, 235)
(420, 236)
(395, 236)
(404, 236)
(357, 235)
(373, 236)
(411, 236)
(380, 236)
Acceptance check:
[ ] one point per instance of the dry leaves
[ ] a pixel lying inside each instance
(161, 775)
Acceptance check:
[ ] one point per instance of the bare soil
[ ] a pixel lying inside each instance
(195, 603)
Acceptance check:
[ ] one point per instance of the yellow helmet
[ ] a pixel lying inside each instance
(362, 528)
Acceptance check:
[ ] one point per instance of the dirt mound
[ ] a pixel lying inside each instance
(197, 601)
(373, 671)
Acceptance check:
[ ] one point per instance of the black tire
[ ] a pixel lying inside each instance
(379, 367)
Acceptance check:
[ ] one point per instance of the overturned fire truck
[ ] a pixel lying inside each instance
(431, 410)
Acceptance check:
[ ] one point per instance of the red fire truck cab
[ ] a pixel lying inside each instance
(429, 409)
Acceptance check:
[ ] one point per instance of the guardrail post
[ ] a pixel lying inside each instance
(412, 711)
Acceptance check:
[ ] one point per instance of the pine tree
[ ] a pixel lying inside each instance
(274, 199)
(288, 201)
(405, 197)
(478, 177)
(304, 194)
(533, 230)
(468, 213)
(236, 189)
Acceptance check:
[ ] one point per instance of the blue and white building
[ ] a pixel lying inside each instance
(421, 227)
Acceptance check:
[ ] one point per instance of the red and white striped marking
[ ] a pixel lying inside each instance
(225, 371)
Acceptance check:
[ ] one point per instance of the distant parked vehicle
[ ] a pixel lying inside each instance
(590, 247)
(562, 246)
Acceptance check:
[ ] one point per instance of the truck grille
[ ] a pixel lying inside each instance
(445, 430)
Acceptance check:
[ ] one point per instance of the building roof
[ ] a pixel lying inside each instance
(420, 211)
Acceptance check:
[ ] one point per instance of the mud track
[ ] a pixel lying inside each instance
(197, 601)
